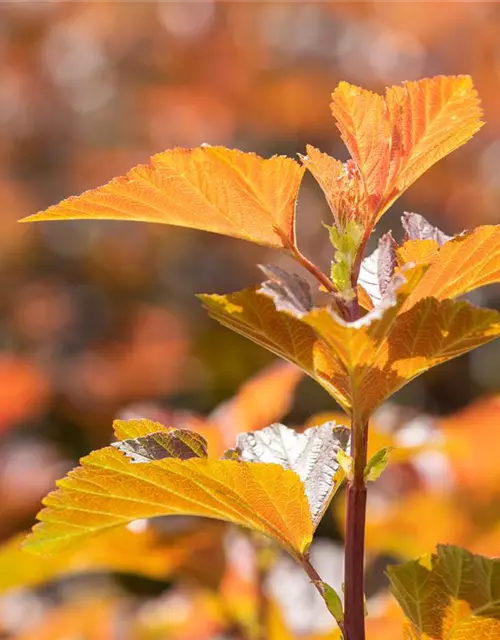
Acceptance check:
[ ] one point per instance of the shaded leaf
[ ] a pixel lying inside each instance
(108, 489)
(451, 595)
(394, 139)
(178, 443)
(418, 228)
(209, 188)
(377, 269)
(289, 291)
(311, 454)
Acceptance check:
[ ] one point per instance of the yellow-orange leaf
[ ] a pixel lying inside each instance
(395, 139)
(361, 363)
(108, 489)
(119, 550)
(343, 187)
(452, 595)
(465, 263)
(209, 188)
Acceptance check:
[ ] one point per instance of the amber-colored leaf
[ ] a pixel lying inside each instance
(340, 182)
(312, 454)
(462, 264)
(364, 362)
(395, 139)
(262, 400)
(120, 550)
(108, 490)
(471, 443)
(209, 188)
(451, 595)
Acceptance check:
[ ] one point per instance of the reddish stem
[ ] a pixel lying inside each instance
(354, 615)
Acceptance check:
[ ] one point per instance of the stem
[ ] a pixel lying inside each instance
(354, 616)
(316, 580)
(312, 268)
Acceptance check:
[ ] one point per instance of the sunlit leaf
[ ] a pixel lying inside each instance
(462, 264)
(108, 489)
(364, 362)
(311, 454)
(394, 139)
(209, 188)
(451, 595)
(377, 464)
(341, 183)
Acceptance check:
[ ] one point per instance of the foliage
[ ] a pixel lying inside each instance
(362, 333)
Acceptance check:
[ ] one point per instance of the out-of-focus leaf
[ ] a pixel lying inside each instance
(471, 443)
(108, 490)
(311, 454)
(90, 619)
(209, 188)
(403, 527)
(450, 595)
(120, 550)
(262, 400)
(364, 362)
(394, 139)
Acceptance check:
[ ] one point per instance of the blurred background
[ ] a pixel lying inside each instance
(100, 319)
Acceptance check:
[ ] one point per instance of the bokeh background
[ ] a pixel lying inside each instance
(97, 319)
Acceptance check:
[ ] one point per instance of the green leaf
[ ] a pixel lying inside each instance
(333, 602)
(377, 464)
(450, 595)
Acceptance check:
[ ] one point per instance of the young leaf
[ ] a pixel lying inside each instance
(394, 139)
(311, 454)
(377, 464)
(209, 188)
(341, 183)
(108, 489)
(451, 595)
(333, 602)
(377, 270)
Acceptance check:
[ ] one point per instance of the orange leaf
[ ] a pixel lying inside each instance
(209, 188)
(362, 363)
(108, 490)
(120, 550)
(262, 400)
(462, 264)
(395, 139)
